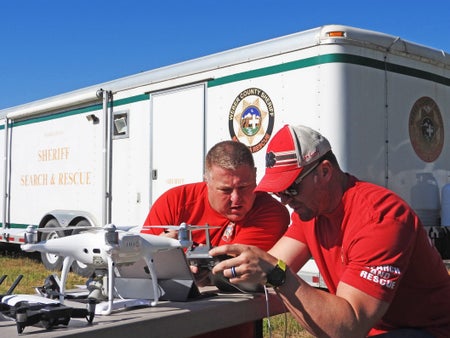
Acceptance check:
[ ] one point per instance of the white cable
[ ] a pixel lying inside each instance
(266, 294)
(269, 328)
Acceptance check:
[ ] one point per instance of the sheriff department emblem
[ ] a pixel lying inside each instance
(426, 129)
(251, 118)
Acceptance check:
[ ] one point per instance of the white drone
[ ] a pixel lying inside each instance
(108, 247)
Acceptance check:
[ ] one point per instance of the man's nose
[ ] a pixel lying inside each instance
(236, 196)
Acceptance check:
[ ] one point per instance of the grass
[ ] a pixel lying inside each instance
(14, 262)
(284, 325)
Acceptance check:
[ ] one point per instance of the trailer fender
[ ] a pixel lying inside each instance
(68, 218)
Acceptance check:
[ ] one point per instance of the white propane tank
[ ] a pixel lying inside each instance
(425, 198)
(445, 211)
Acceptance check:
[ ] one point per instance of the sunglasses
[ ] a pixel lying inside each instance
(292, 190)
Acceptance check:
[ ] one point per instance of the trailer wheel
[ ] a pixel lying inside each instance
(52, 261)
(78, 267)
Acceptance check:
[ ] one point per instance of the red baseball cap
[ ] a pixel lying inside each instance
(290, 150)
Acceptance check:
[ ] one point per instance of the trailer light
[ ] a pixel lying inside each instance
(121, 124)
(92, 118)
(336, 34)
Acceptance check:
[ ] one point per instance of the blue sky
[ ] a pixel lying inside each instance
(49, 47)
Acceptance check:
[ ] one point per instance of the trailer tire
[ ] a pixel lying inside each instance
(77, 267)
(52, 261)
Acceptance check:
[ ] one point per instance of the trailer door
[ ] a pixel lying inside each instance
(177, 148)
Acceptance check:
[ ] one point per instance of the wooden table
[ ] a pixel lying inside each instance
(166, 319)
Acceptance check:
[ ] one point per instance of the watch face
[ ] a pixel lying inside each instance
(276, 277)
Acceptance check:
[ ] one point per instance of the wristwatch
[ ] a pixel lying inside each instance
(277, 276)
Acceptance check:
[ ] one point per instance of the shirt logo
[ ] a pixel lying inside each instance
(229, 232)
(384, 275)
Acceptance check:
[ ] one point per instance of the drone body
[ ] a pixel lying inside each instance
(95, 247)
(103, 249)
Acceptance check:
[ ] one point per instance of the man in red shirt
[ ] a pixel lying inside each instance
(226, 199)
(383, 275)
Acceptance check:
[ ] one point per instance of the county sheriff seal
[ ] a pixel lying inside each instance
(251, 118)
(426, 129)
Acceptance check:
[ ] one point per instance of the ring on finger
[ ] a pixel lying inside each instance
(233, 272)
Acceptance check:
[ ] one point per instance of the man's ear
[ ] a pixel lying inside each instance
(325, 169)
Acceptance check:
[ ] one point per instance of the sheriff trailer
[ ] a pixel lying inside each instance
(104, 153)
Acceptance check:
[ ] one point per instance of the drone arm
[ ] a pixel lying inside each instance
(149, 260)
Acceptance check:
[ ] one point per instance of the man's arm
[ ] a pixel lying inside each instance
(297, 255)
(349, 313)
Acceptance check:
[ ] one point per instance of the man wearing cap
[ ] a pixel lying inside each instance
(383, 275)
(226, 201)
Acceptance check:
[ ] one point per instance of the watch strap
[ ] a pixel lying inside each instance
(277, 276)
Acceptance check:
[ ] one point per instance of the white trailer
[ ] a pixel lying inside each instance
(103, 154)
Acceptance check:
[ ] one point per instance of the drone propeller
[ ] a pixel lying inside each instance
(32, 230)
(46, 230)
(184, 231)
(183, 226)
